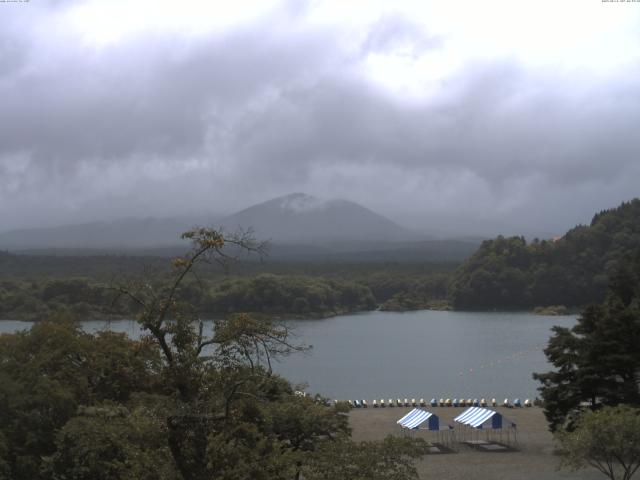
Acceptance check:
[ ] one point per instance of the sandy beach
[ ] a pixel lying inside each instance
(531, 458)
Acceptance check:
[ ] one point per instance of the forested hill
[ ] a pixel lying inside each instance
(573, 270)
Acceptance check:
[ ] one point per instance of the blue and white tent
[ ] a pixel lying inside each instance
(421, 420)
(417, 417)
(478, 417)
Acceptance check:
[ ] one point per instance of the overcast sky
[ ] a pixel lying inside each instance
(454, 116)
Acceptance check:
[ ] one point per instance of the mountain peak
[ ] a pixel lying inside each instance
(305, 219)
(298, 202)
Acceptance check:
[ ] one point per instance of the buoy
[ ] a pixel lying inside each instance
(483, 403)
(423, 403)
(375, 405)
(391, 402)
(433, 402)
(493, 402)
(382, 403)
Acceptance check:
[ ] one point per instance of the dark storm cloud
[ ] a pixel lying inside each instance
(162, 123)
(497, 125)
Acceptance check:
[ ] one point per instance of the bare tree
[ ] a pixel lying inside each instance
(207, 372)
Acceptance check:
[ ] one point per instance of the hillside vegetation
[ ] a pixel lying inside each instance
(573, 270)
(297, 295)
(36, 286)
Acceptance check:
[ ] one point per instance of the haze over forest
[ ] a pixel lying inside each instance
(446, 119)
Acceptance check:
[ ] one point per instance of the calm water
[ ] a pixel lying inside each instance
(414, 354)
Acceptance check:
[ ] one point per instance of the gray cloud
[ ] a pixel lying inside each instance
(162, 125)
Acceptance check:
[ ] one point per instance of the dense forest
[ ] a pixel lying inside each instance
(34, 286)
(298, 295)
(573, 270)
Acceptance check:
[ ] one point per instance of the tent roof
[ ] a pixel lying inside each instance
(476, 416)
(414, 418)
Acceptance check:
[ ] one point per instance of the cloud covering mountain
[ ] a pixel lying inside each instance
(295, 219)
(303, 219)
(439, 116)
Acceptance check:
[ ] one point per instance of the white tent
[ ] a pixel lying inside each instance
(478, 418)
(417, 417)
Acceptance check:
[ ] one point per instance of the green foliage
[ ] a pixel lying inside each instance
(176, 404)
(78, 297)
(573, 270)
(273, 294)
(300, 296)
(304, 423)
(428, 291)
(243, 451)
(49, 371)
(108, 442)
(608, 440)
(598, 360)
(390, 459)
(231, 417)
(551, 310)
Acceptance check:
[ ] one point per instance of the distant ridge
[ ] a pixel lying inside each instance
(124, 233)
(298, 227)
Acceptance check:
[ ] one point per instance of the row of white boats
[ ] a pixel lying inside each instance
(516, 403)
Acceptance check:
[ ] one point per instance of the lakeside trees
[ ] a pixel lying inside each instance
(592, 398)
(174, 405)
(265, 293)
(598, 360)
(573, 270)
(301, 295)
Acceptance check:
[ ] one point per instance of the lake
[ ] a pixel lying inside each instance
(411, 354)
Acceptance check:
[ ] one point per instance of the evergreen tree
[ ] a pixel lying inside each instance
(598, 360)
